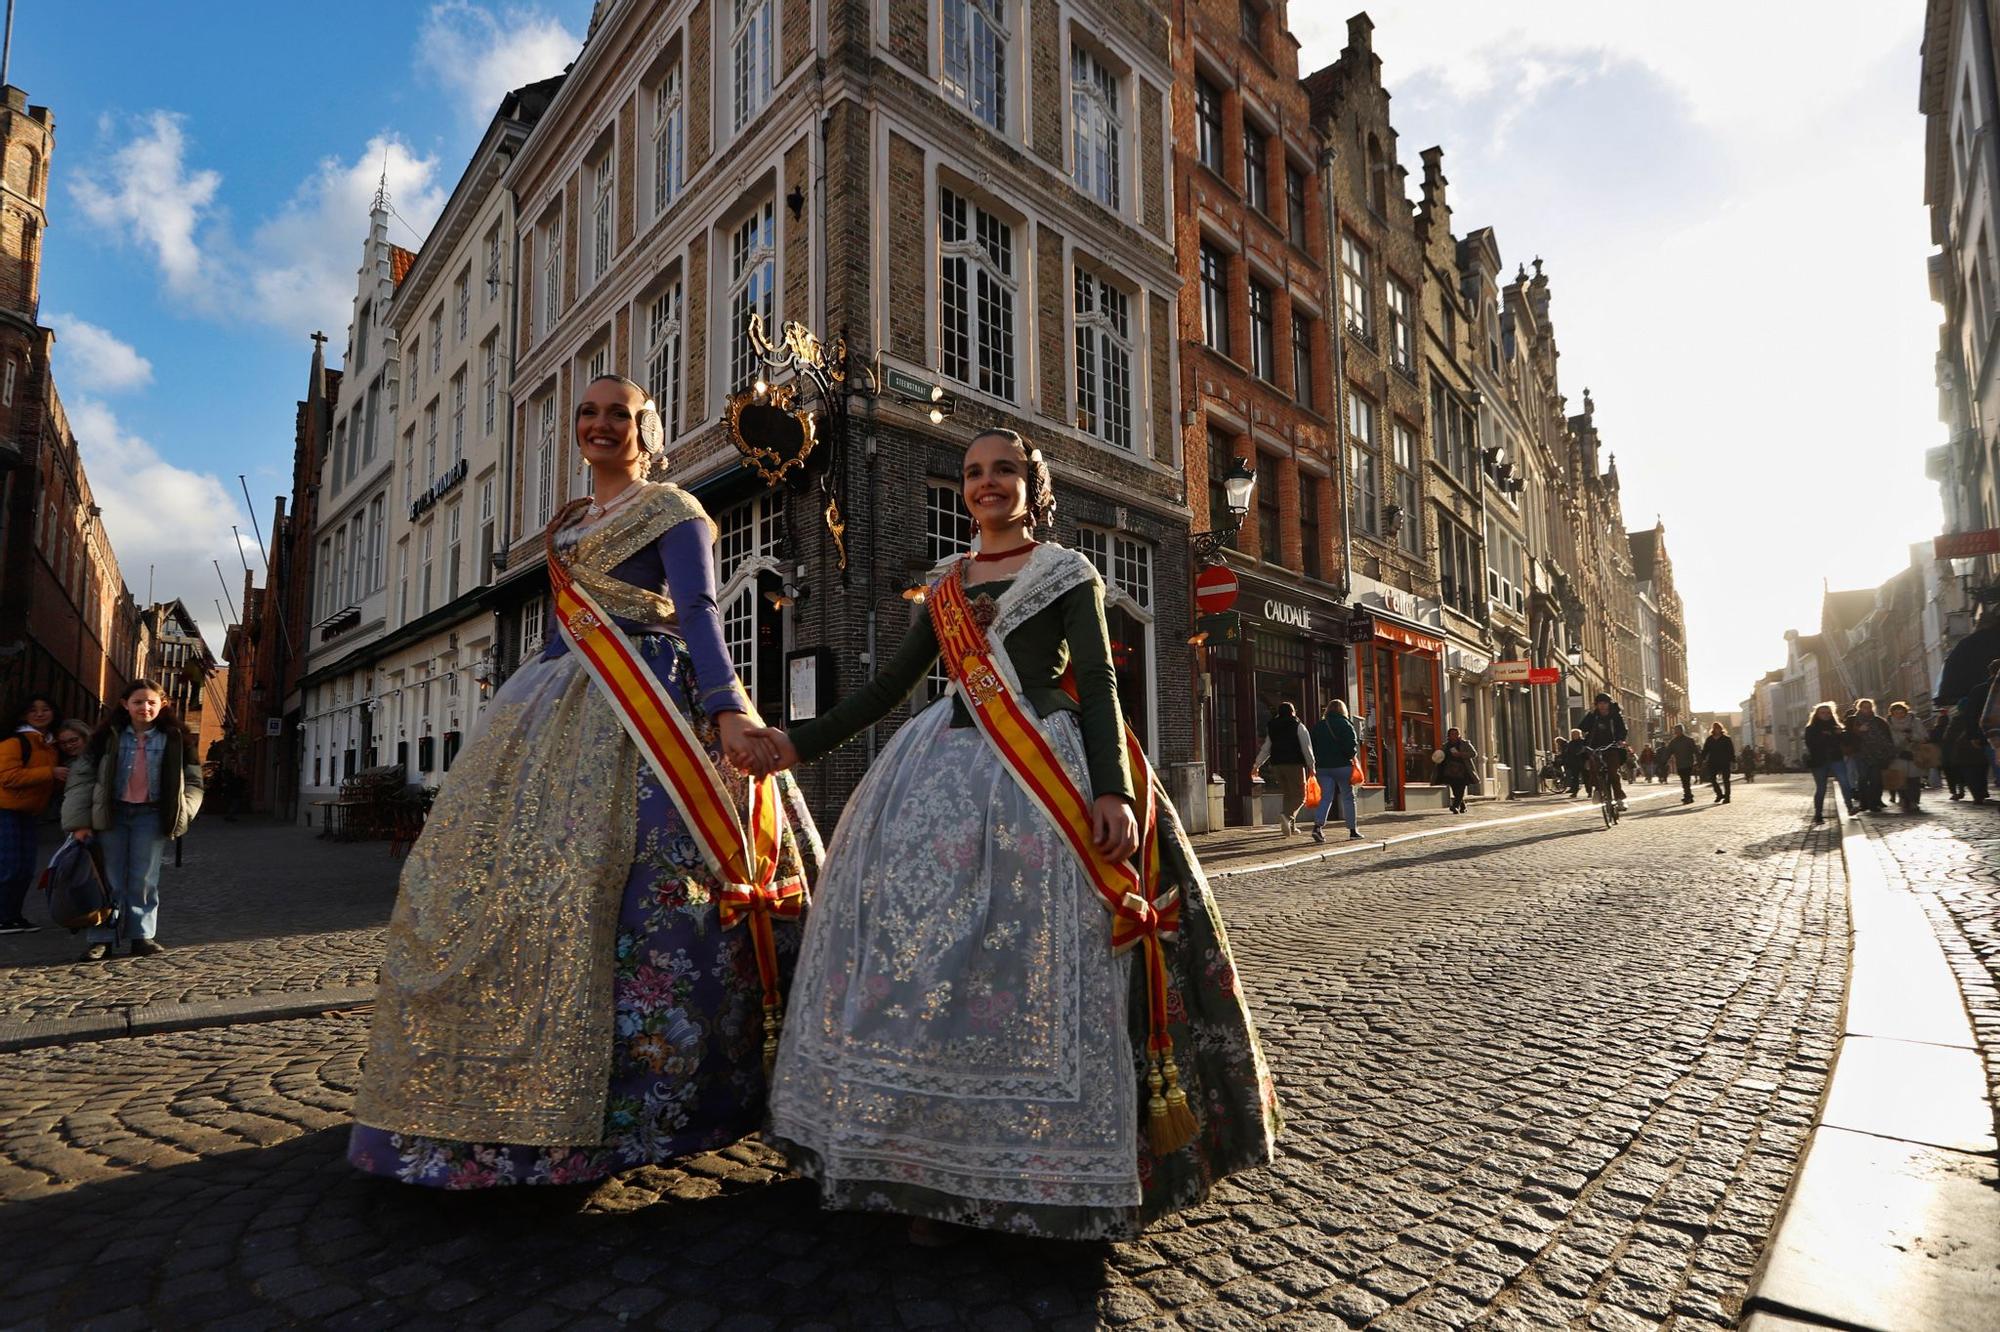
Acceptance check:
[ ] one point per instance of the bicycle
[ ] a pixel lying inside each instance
(1599, 770)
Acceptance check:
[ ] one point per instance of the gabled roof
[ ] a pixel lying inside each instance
(400, 261)
(1645, 549)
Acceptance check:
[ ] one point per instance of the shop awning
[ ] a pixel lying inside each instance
(1390, 632)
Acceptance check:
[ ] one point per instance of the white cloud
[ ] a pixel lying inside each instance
(1735, 241)
(297, 270)
(146, 194)
(95, 359)
(481, 55)
(157, 514)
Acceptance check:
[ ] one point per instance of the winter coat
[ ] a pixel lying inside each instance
(1870, 738)
(1334, 741)
(89, 802)
(1825, 742)
(1681, 753)
(1908, 733)
(1718, 752)
(28, 765)
(1459, 756)
(1286, 741)
(1964, 674)
(1604, 729)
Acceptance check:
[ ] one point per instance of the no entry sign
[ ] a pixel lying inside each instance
(1214, 590)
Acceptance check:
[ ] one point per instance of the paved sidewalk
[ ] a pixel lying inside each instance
(1540, 1075)
(1949, 857)
(256, 908)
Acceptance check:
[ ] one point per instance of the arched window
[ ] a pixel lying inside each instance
(1378, 176)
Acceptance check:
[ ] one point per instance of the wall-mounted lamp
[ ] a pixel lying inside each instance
(796, 201)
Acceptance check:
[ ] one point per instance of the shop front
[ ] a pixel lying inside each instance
(1397, 693)
(1289, 648)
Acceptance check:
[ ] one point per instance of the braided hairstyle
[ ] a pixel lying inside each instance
(652, 432)
(1041, 483)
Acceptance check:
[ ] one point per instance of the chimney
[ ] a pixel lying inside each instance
(1361, 34)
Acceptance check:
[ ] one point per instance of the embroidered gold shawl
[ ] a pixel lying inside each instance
(493, 1015)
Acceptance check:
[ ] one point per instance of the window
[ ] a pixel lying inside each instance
(1093, 91)
(599, 363)
(1221, 458)
(663, 357)
(461, 304)
(975, 58)
(424, 567)
(369, 416)
(1125, 563)
(976, 295)
(1457, 559)
(753, 264)
(1208, 124)
(1411, 536)
(551, 272)
(431, 441)
(1506, 568)
(327, 584)
(336, 591)
(600, 216)
(1364, 483)
(410, 380)
(458, 416)
(485, 526)
(1256, 168)
(376, 532)
(544, 473)
(1302, 362)
(947, 524)
(1250, 20)
(1103, 360)
(669, 138)
(451, 545)
(748, 537)
(489, 380)
(1214, 299)
(1263, 349)
(531, 626)
(437, 341)
(1311, 565)
(750, 58)
(1356, 288)
(1295, 204)
(1270, 537)
(339, 456)
(409, 465)
(492, 264)
(1402, 339)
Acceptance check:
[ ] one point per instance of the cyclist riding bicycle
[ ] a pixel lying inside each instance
(1604, 728)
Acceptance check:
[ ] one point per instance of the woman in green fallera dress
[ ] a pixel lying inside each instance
(945, 1053)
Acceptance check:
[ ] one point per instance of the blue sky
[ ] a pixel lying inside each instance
(1728, 198)
(209, 197)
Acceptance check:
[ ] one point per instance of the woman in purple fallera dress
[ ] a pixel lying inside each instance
(559, 999)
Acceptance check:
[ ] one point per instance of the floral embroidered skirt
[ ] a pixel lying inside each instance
(946, 1051)
(687, 1071)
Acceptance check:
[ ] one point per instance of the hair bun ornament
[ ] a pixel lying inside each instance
(652, 434)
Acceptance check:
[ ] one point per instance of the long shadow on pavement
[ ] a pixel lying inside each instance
(292, 1231)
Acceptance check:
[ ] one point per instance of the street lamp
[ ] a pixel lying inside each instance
(1237, 483)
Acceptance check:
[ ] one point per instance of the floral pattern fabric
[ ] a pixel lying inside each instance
(687, 1073)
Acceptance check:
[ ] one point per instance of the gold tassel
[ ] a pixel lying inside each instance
(774, 1023)
(1173, 1123)
(1158, 1133)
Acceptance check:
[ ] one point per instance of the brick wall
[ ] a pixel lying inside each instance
(696, 298)
(1052, 296)
(907, 250)
(797, 303)
(1153, 199)
(1045, 82)
(908, 36)
(700, 73)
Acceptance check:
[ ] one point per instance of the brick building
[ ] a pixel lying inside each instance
(68, 626)
(1380, 270)
(1653, 576)
(1606, 654)
(179, 658)
(988, 182)
(1252, 236)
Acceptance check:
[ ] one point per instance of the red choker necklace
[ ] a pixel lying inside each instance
(984, 558)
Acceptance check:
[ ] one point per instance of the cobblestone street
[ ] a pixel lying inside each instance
(1543, 1074)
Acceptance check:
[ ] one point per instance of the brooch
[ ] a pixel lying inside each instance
(984, 611)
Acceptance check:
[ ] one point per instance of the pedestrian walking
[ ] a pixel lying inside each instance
(136, 787)
(1335, 743)
(32, 771)
(1967, 753)
(1575, 755)
(1871, 748)
(1904, 775)
(1718, 755)
(1286, 756)
(1455, 767)
(1749, 761)
(1826, 755)
(1648, 761)
(589, 946)
(1681, 758)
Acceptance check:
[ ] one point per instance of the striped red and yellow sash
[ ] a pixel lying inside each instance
(742, 851)
(1141, 913)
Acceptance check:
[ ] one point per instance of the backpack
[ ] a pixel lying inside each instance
(75, 890)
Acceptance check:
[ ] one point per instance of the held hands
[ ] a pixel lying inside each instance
(757, 750)
(1114, 828)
